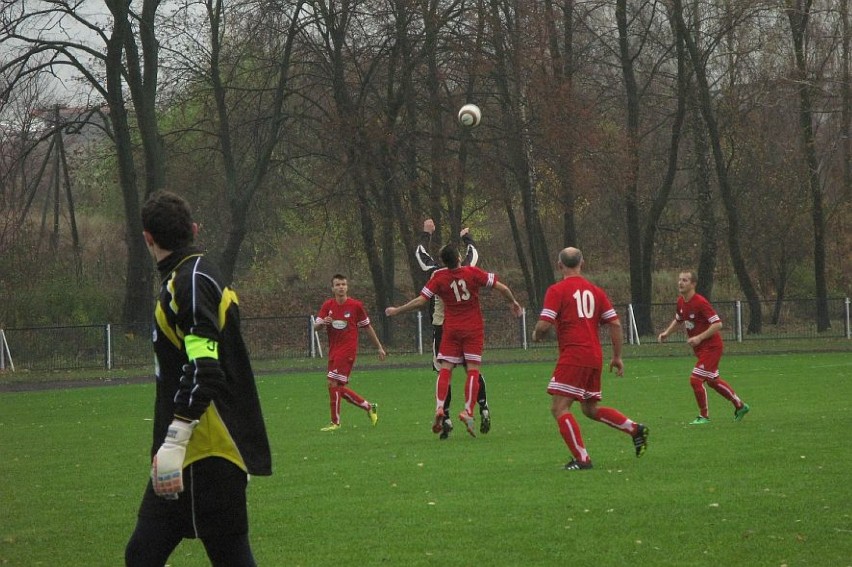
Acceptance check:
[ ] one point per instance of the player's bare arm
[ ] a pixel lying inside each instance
(616, 337)
(541, 330)
(415, 303)
(371, 332)
(672, 326)
(507, 293)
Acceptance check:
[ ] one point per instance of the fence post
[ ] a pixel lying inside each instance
(419, 332)
(108, 346)
(739, 321)
(5, 352)
(524, 341)
(312, 347)
(632, 327)
(848, 326)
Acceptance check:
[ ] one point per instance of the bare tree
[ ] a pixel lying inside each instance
(113, 50)
(798, 13)
(697, 61)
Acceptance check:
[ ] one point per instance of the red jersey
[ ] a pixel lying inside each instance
(347, 318)
(697, 315)
(577, 308)
(459, 288)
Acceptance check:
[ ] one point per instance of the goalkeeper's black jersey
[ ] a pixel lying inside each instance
(193, 300)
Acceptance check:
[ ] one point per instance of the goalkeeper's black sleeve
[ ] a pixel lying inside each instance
(202, 381)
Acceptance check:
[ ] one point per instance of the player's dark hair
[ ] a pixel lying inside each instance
(450, 256)
(168, 218)
(570, 258)
(337, 277)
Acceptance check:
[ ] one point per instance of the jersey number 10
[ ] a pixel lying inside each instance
(585, 303)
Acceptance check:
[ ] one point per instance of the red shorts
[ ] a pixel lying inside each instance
(458, 345)
(578, 382)
(707, 366)
(340, 367)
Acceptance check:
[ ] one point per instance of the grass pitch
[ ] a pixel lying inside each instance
(771, 490)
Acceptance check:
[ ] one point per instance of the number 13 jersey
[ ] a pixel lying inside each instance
(459, 288)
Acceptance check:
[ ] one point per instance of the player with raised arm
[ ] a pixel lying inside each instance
(436, 311)
(464, 329)
(342, 316)
(576, 307)
(702, 325)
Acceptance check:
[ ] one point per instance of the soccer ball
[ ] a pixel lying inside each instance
(470, 115)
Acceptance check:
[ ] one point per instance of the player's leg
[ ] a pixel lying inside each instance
(569, 430)
(484, 410)
(333, 404)
(154, 538)
(442, 388)
(709, 361)
(221, 514)
(229, 551)
(447, 423)
(563, 392)
(471, 386)
(450, 354)
(617, 420)
(472, 344)
(696, 382)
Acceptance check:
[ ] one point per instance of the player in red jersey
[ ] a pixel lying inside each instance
(464, 329)
(436, 311)
(576, 307)
(343, 316)
(702, 326)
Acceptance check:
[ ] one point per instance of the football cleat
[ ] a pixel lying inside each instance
(331, 427)
(374, 413)
(700, 420)
(640, 439)
(739, 414)
(438, 424)
(575, 465)
(468, 422)
(485, 424)
(446, 428)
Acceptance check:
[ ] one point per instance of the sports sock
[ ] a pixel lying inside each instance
(442, 386)
(570, 431)
(700, 395)
(615, 419)
(481, 398)
(726, 391)
(334, 403)
(471, 390)
(354, 398)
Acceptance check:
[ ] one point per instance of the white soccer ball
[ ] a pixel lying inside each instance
(469, 115)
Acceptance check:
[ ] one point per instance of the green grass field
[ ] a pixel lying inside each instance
(771, 490)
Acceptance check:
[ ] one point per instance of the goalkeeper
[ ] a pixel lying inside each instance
(209, 434)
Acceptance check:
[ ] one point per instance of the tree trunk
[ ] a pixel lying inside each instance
(631, 189)
(799, 16)
(642, 310)
(138, 284)
(731, 210)
(520, 148)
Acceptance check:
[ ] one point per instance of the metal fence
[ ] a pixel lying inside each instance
(114, 346)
